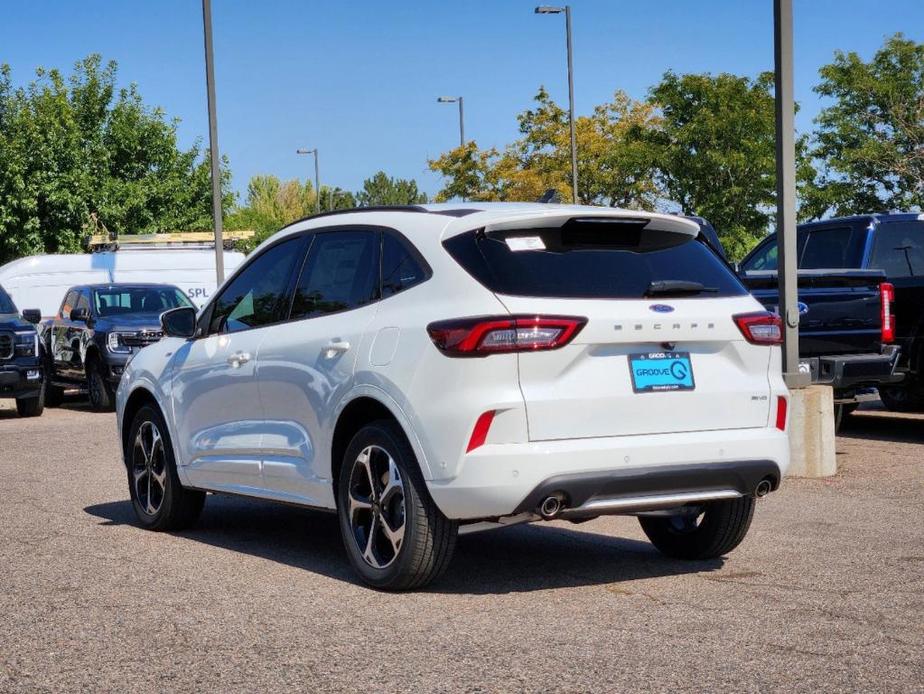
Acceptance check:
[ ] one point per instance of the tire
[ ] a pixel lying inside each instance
(902, 398)
(720, 528)
(381, 496)
(54, 395)
(100, 392)
(159, 500)
(31, 407)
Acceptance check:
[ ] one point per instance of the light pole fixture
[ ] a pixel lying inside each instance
(214, 158)
(452, 100)
(317, 178)
(546, 9)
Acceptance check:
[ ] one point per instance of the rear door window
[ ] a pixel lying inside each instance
(400, 269)
(831, 247)
(612, 260)
(898, 249)
(764, 258)
(341, 273)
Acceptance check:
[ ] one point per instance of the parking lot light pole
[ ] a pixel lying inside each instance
(214, 157)
(452, 100)
(544, 9)
(786, 190)
(317, 178)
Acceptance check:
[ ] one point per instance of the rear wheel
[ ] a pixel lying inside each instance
(31, 407)
(718, 528)
(395, 536)
(159, 500)
(101, 395)
(902, 398)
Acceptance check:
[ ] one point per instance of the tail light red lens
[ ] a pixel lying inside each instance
(886, 299)
(781, 405)
(480, 432)
(478, 337)
(760, 328)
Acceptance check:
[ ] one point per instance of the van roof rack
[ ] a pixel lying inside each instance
(99, 243)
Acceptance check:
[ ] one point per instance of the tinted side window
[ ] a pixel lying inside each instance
(400, 270)
(899, 249)
(254, 298)
(69, 303)
(764, 259)
(340, 273)
(827, 248)
(83, 299)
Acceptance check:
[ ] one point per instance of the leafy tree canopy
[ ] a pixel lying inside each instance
(384, 190)
(76, 146)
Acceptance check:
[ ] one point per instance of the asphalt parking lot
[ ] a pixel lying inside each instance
(826, 593)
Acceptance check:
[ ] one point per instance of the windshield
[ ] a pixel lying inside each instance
(6, 303)
(114, 301)
(600, 261)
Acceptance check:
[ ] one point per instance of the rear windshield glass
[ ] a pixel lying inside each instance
(593, 261)
(114, 301)
(6, 303)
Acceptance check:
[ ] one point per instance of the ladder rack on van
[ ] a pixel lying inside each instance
(100, 243)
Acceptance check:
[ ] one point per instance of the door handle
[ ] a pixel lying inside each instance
(239, 358)
(337, 347)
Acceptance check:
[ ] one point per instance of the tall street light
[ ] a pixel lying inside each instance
(214, 157)
(452, 100)
(544, 9)
(317, 178)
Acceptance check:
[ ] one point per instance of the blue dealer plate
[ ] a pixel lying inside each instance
(660, 371)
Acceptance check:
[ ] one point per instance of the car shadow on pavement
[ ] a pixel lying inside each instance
(896, 427)
(518, 559)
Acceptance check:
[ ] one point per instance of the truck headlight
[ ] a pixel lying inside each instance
(26, 344)
(116, 343)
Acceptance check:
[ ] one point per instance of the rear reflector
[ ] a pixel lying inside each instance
(781, 413)
(886, 299)
(478, 337)
(760, 328)
(480, 432)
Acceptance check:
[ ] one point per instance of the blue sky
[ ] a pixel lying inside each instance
(359, 79)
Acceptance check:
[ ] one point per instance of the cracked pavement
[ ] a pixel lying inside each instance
(825, 594)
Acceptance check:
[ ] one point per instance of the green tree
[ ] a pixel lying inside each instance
(74, 147)
(870, 140)
(614, 164)
(381, 189)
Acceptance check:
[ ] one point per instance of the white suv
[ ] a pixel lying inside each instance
(428, 370)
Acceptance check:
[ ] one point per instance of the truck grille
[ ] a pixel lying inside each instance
(6, 345)
(142, 338)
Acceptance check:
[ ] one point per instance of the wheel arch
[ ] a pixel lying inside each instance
(138, 398)
(365, 407)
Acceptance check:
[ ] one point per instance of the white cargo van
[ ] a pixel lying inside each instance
(40, 281)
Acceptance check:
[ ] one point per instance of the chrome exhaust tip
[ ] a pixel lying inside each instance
(550, 507)
(763, 488)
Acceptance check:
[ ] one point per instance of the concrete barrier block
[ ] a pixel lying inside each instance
(811, 432)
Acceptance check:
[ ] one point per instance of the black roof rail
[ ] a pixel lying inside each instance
(372, 208)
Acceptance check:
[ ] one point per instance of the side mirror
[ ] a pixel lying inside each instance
(32, 315)
(80, 315)
(179, 322)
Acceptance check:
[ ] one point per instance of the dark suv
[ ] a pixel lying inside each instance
(97, 331)
(20, 359)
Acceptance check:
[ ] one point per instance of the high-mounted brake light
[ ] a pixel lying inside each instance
(478, 337)
(886, 299)
(760, 328)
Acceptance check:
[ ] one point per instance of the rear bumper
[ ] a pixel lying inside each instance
(851, 371)
(15, 381)
(505, 479)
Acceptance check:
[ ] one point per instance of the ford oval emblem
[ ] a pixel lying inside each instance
(803, 308)
(661, 308)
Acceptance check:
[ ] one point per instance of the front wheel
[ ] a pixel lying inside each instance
(101, 395)
(717, 528)
(159, 500)
(395, 536)
(31, 407)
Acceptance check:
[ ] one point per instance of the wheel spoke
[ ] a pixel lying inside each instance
(368, 553)
(148, 506)
(358, 503)
(395, 536)
(393, 483)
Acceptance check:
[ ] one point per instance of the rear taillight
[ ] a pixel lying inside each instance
(781, 413)
(886, 299)
(478, 337)
(761, 328)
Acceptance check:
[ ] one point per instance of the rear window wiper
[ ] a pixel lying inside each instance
(677, 287)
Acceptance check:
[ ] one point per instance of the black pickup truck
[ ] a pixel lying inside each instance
(21, 373)
(97, 331)
(861, 302)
